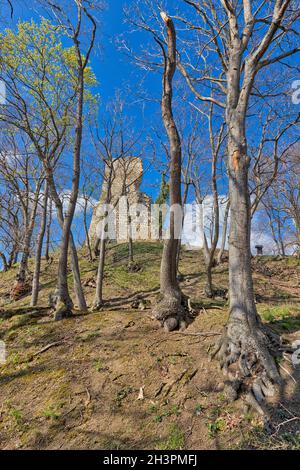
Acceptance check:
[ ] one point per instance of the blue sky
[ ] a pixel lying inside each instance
(115, 71)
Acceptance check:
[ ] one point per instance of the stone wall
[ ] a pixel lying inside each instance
(123, 177)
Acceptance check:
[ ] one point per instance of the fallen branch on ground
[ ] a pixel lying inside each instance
(201, 333)
(45, 348)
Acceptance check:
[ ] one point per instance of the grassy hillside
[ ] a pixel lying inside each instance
(115, 380)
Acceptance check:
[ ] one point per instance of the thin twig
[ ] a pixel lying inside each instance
(44, 349)
(286, 422)
(201, 333)
(88, 397)
(287, 372)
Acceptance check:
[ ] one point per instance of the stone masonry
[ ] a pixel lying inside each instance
(124, 177)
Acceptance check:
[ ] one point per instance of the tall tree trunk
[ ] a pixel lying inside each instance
(130, 241)
(170, 311)
(282, 247)
(13, 255)
(216, 231)
(48, 232)
(39, 248)
(208, 253)
(130, 251)
(297, 226)
(224, 233)
(23, 266)
(4, 261)
(101, 242)
(179, 248)
(98, 300)
(245, 347)
(245, 340)
(29, 227)
(86, 230)
(63, 307)
(74, 257)
(76, 275)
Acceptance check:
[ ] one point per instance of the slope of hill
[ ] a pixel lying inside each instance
(115, 380)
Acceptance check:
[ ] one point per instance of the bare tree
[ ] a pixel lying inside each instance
(49, 129)
(10, 227)
(289, 187)
(75, 31)
(24, 177)
(170, 311)
(216, 140)
(224, 232)
(39, 248)
(268, 155)
(48, 229)
(243, 50)
(115, 147)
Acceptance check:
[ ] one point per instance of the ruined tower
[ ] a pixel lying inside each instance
(123, 177)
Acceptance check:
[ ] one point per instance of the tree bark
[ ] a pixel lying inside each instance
(224, 233)
(245, 341)
(86, 230)
(13, 255)
(130, 241)
(38, 255)
(184, 201)
(29, 227)
(101, 242)
(98, 300)
(170, 311)
(245, 349)
(48, 232)
(74, 257)
(4, 261)
(63, 306)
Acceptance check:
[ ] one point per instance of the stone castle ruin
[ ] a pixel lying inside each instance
(123, 177)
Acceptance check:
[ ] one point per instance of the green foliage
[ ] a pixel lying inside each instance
(122, 394)
(286, 316)
(42, 77)
(173, 411)
(16, 414)
(163, 195)
(175, 440)
(199, 409)
(162, 198)
(215, 427)
(99, 365)
(51, 413)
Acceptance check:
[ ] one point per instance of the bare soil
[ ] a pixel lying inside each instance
(116, 380)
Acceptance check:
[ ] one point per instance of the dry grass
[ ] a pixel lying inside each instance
(83, 391)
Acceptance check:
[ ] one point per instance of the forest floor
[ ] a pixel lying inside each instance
(115, 380)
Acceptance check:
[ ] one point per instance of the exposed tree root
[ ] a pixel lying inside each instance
(133, 267)
(212, 292)
(20, 289)
(62, 310)
(247, 358)
(173, 312)
(97, 306)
